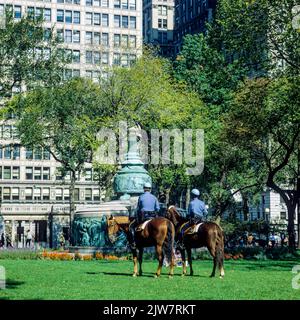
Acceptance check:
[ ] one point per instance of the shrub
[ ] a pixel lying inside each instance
(16, 254)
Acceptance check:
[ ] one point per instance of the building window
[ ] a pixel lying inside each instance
(89, 3)
(16, 152)
(96, 38)
(124, 41)
(88, 194)
(7, 152)
(76, 56)
(117, 59)
(96, 195)
(46, 193)
(68, 16)
(117, 40)
(47, 15)
(88, 174)
(124, 60)
(46, 173)
(68, 36)
(162, 10)
(88, 37)
(96, 56)
(37, 173)
(124, 4)
(7, 173)
(76, 194)
(76, 17)
(66, 194)
(104, 57)
(97, 19)
(105, 3)
(124, 21)
(17, 12)
(46, 154)
(29, 154)
(28, 194)
(105, 20)
(16, 173)
(162, 23)
(88, 18)
(38, 154)
(89, 57)
(37, 194)
(60, 16)
(76, 36)
(132, 22)
(117, 21)
(6, 193)
(29, 173)
(15, 194)
(132, 40)
(117, 4)
(105, 39)
(59, 194)
(132, 4)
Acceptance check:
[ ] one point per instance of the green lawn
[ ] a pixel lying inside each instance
(43, 279)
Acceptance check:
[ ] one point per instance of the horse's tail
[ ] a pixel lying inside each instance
(220, 249)
(168, 244)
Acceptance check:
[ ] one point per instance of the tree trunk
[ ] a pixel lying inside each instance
(72, 204)
(245, 207)
(167, 196)
(187, 197)
(291, 227)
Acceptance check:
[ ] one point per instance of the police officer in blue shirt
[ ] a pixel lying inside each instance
(196, 210)
(147, 207)
(196, 213)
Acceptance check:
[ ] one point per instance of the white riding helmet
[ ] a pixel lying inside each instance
(147, 185)
(195, 192)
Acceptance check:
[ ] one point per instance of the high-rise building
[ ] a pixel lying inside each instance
(98, 34)
(191, 17)
(158, 24)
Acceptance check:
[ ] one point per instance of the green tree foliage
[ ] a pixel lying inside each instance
(264, 122)
(63, 119)
(29, 55)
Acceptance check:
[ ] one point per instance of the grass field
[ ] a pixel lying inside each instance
(42, 279)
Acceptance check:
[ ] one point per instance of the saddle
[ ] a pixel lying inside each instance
(191, 229)
(142, 226)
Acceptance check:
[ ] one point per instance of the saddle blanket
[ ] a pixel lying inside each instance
(194, 229)
(142, 226)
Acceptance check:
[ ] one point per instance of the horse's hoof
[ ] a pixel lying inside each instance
(212, 276)
(156, 276)
(134, 275)
(170, 276)
(183, 275)
(221, 277)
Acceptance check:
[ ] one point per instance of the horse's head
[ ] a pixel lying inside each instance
(173, 215)
(116, 224)
(112, 229)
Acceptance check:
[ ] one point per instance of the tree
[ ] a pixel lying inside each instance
(265, 122)
(65, 120)
(259, 35)
(29, 55)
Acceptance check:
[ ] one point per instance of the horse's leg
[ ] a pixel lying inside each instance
(160, 258)
(182, 253)
(220, 260)
(212, 251)
(189, 254)
(141, 251)
(135, 267)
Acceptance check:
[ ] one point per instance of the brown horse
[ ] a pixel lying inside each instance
(159, 232)
(209, 235)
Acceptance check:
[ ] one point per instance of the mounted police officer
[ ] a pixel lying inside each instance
(147, 207)
(196, 213)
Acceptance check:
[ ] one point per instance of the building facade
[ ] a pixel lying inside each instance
(191, 17)
(34, 196)
(158, 24)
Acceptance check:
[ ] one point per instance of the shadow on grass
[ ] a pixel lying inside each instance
(13, 284)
